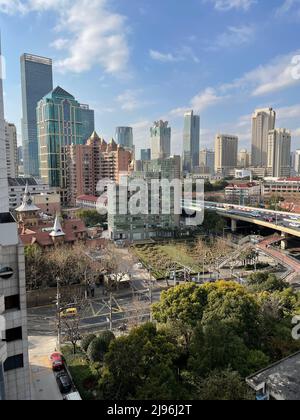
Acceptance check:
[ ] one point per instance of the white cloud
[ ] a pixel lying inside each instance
(287, 6)
(225, 5)
(264, 80)
(234, 36)
(92, 34)
(205, 99)
(129, 100)
(163, 57)
(182, 54)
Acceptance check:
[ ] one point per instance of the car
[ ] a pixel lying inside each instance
(295, 225)
(57, 361)
(69, 313)
(64, 383)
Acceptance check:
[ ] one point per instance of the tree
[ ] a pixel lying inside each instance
(230, 303)
(86, 341)
(99, 346)
(265, 282)
(141, 366)
(224, 385)
(184, 303)
(91, 218)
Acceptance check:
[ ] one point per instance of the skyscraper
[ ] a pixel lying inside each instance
(296, 165)
(191, 141)
(244, 159)
(11, 150)
(59, 122)
(207, 161)
(226, 153)
(263, 121)
(160, 140)
(146, 154)
(279, 153)
(36, 82)
(88, 122)
(124, 137)
(14, 363)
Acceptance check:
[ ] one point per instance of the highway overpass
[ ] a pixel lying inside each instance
(288, 224)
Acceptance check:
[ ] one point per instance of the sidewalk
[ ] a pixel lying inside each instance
(43, 383)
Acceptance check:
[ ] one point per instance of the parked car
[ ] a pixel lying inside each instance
(64, 382)
(57, 361)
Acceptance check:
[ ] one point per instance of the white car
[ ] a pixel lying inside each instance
(295, 225)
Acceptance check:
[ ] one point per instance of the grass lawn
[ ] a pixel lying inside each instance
(161, 256)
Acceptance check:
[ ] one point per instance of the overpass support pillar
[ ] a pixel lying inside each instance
(284, 241)
(233, 226)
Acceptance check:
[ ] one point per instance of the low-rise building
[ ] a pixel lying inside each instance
(17, 186)
(286, 188)
(243, 194)
(87, 202)
(279, 382)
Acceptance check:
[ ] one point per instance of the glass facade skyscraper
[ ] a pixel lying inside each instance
(124, 137)
(191, 141)
(88, 121)
(60, 124)
(36, 82)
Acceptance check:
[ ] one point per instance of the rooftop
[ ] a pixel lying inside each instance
(282, 379)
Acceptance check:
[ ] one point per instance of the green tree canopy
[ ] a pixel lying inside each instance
(141, 366)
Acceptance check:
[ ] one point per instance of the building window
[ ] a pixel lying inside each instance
(6, 273)
(14, 362)
(12, 302)
(13, 334)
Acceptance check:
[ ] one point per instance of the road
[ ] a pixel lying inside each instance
(43, 383)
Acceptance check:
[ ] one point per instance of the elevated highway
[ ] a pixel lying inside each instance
(288, 224)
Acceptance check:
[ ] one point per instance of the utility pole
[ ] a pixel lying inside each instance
(110, 312)
(58, 311)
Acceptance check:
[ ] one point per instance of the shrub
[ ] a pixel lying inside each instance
(99, 346)
(86, 341)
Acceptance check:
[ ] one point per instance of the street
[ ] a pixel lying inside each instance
(43, 383)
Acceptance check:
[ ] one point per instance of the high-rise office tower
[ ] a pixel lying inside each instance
(14, 363)
(11, 150)
(191, 141)
(88, 122)
(279, 153)
(243, 159)
(296, 165)
(263, 121)
(160, 140)
(146, 154)
(207, 161)
(124, 137)
(36, 82)
(226, 153)
(59, 122)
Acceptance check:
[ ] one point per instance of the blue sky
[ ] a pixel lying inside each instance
(135, 61)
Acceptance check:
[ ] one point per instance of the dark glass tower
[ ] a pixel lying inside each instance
(191, 141)
(36, 82)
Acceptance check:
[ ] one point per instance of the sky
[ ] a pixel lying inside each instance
(137, 61)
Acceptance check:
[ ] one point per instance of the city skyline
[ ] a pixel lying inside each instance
(152, 80)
